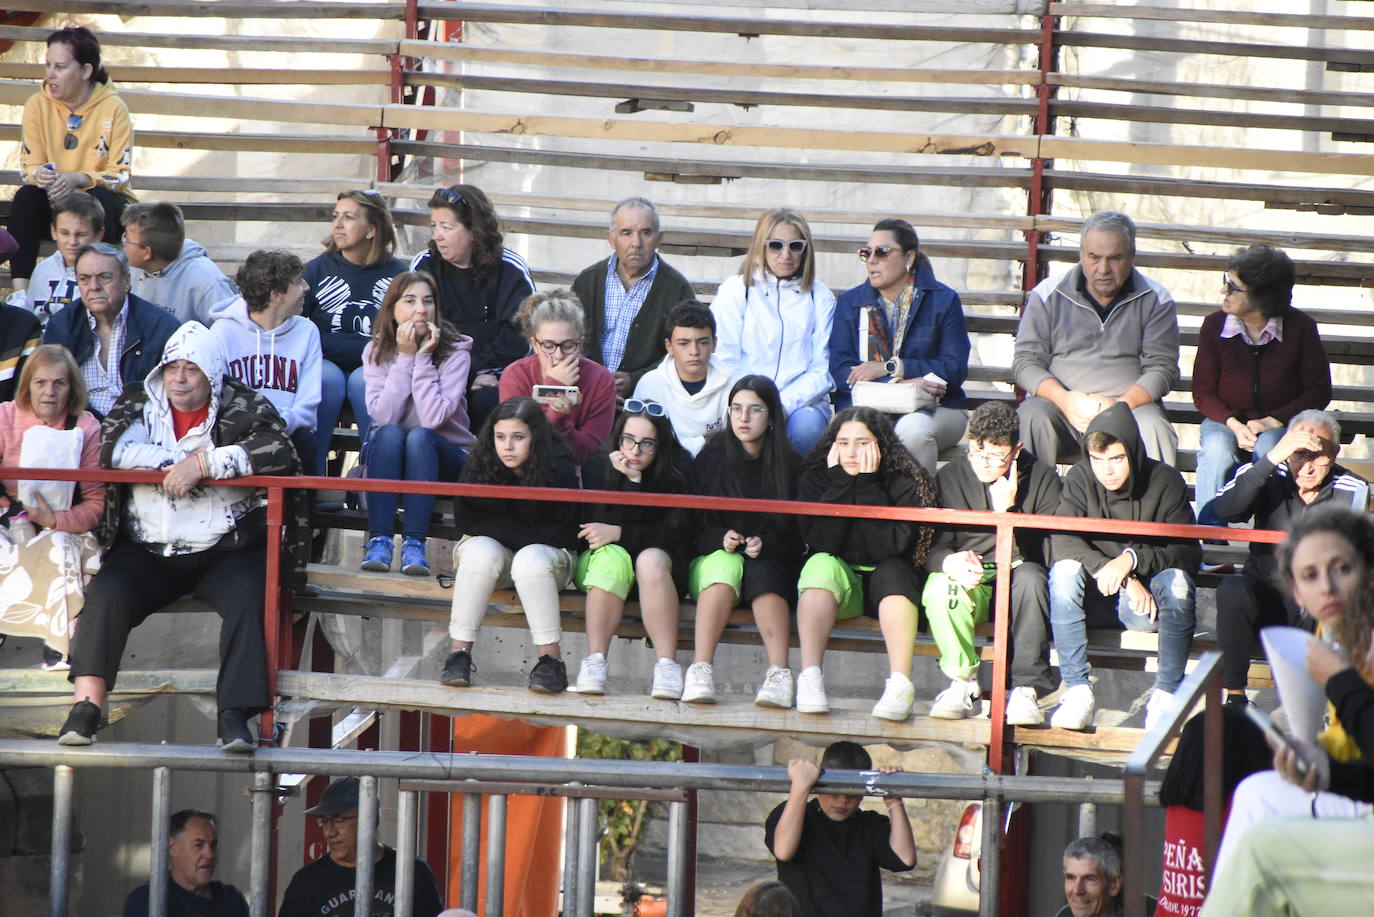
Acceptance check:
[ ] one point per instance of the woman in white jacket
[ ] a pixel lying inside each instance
(773, 318)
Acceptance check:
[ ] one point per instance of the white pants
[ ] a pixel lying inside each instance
(537, 571)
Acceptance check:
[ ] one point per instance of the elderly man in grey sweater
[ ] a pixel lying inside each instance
(1100, 334)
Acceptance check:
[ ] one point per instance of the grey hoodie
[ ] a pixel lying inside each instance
(188, 287)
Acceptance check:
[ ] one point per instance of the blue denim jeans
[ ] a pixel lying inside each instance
(1217, 458)
(333, 388)
(807, 424)
(408, 455)
(1075, 604)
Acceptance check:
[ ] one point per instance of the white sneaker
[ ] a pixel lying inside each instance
(1076, 709)
(667, 680)
(1157, 706)
(811, 692)
(957, 701)
(1023, 708)
(700, 684)
(776, 690)
(898, 696)
(591, 677)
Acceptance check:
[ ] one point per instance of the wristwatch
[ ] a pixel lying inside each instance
(891, 366)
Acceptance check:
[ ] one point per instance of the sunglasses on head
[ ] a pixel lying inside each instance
(636, 406)
(796, 246)
(73, 124)
(452, 197)
(882, 251)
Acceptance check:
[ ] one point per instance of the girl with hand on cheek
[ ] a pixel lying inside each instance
(527, 544)
(861, 566)
(746, 558)
(639, 547)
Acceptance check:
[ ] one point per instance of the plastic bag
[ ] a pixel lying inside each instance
(44, 447)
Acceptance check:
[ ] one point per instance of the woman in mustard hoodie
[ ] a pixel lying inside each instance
(77, 137)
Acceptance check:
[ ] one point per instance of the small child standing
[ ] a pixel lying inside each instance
(828, 851)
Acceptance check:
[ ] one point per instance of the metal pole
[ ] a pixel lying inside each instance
(587, 857)
(677, 859)
(990, 887)
(496, 855)
(570, 864)
(157, 869)
(407, 804)
(1087, 819)
(367, 845)
(62, 779)
(261, 845)
(472, 849)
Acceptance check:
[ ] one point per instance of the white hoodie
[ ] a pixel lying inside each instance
(188, 287)
(197, 521)
(282, 364)
(693, 416)
(775, 330)
(52, 286)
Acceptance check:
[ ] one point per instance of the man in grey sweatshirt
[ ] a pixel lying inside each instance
(1100, 334)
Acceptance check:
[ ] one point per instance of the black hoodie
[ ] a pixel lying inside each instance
(1154, 492)
(1037, 492)
(487, 315)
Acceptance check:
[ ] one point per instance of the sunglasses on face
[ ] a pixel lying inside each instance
(636, 406)
(882, 251)
(73, 124)
(1227, 287)
(796, 246)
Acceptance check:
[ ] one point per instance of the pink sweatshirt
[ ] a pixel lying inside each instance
(588, 424)
(85, 514)
(411, 392)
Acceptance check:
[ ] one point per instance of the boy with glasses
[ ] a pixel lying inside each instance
(691, 385)
(1001, 477)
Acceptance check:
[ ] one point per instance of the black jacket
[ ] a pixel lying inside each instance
(517, 523)
(781, 539)
(1037, 493)
(486, 315)
(865, 541)
(1154, 492)
(1268, 492)
(643, 527)
(1353, 699)
(644, 346)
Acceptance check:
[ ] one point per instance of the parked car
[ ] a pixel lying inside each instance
(958, 880)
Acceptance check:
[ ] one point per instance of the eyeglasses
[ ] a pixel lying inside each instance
(652, 408)
(796, 246)
(1227, 287)
(646, 446)
(751, 411)
(453, 197)
(73, 125)
(127, 241)
(563, 347)
(882, 251)
(333, 821)
(989, 458)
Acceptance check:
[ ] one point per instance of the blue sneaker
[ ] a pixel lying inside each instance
(413, 557)
(377, 554)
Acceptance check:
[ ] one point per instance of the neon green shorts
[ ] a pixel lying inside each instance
(835, 576)
(717, 567)
(609, 567)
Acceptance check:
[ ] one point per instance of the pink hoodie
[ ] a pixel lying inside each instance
(410, 391)
(85, 513)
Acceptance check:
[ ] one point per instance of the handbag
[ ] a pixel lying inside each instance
(44, 447)
(892, 397)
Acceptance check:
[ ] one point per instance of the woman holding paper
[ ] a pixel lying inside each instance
(42, 576)
(903, 326)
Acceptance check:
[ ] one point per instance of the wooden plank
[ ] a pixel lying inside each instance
(147, 101)
(745, 26)
(1277, 50)
(763, 71)
(1238, 158)
(255, 43)
(1271, 193)
(973, 7)
(740, 97)
(220, 76)
(1151, 114)
(458, 119)
(227, 9)
(1316, 241)
(1194, 14)
(131, 682)
(1212, 90)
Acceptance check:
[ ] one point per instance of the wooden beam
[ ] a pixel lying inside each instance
(744, 26)
(1270, 193)
(1212, 90)
(225, 9)
(147, 101)
(1227, 17)
(1167, 114)
(274, 43)
(1238, 158)
(1277, 50)
(218, 76)
(435, 50)
(315, 145)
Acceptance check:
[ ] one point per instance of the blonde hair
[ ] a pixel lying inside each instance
(757, 260)
(554, 306)
(47, 355)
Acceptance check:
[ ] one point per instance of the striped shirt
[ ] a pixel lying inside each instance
(103, 383)
(621, 307)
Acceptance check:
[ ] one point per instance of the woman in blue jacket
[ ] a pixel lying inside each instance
(914, 327)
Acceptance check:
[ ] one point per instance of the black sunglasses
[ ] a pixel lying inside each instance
(796, 246)
(1228, 287)
(652, 408)
(452, 197)
(882, 251)
(73, 124)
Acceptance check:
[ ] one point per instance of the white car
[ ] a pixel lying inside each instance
(959, 877)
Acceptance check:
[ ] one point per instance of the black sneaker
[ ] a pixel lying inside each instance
(549, 676)
(457, 670)
(1237, 702)
(234, 736)
(81, 724)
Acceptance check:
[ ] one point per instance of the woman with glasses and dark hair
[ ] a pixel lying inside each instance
(345, 286)
(904, 326)
(480, 286)
(748, 559)
(1260, 362)
(77, 136)
(773, 318)
(637, 547)
(578, 394)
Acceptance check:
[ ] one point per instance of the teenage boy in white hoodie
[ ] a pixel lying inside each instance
(77, 219)
(692, 386)
(269, 347)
